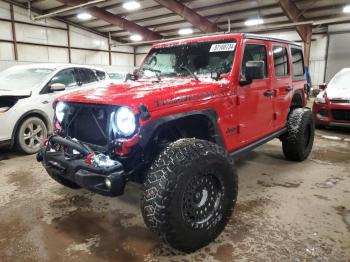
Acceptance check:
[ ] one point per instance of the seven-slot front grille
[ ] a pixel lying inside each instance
(88, 123)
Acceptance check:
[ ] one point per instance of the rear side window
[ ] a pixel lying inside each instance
(254, 52)
(280, 59)
(298, 63)
(87, 76)
(100, 75)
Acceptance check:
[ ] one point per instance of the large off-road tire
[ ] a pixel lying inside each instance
(30, 133)
(189, 194)
(298, 141)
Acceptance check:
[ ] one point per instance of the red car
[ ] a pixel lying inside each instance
(176, 125)
(332, 105)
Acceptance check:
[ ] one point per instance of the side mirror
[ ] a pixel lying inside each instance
(253, 70)
(57, 87)
(323, 86)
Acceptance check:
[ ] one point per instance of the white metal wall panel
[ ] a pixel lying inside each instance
(6, 52)
(33, 53)
(89, 57)
(84, 39)
(139, 59)
(5, 10)
(5, 30)
(122, 60)
(57, 37)
(41, 35)
(21, 14)
(128, 49)
(338, 54)
(32, 34)
(58, 55)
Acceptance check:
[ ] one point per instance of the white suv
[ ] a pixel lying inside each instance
(26, 96)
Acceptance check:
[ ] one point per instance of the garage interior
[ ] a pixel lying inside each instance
(285, 211)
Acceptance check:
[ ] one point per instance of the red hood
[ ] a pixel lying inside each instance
(150, 94)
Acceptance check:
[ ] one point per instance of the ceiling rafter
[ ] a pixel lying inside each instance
(277, 15)
(190, 15)
(116, 20)
(88, 29)
(294, 14)
(230, 13)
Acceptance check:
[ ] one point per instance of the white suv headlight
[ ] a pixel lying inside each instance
(320, 98)
(59, 111)
(125, 121)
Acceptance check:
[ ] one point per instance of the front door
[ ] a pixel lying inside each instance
(256, 99)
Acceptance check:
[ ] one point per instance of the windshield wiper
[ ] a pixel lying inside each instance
(190, 72)
(157, 72)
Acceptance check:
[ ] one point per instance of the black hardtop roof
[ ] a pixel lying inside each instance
(261, 37)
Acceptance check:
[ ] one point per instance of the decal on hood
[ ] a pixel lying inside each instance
(181, 99)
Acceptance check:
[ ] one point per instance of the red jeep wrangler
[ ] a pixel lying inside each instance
(176, 125)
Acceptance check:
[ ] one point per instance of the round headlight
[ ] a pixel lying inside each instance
(125, 121)
(60, 108)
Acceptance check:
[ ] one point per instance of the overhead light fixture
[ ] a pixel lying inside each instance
(346, 9)
(131, 5)
(252, 22)
(185, 31)
(84, 16)
(136, 37)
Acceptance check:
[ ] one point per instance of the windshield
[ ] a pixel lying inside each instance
(19, 78)
(341, 80)
(200, 58)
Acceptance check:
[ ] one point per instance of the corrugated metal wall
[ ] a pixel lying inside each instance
(47, 41)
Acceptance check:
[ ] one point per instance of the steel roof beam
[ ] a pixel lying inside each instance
(191, 16)
(116, 20)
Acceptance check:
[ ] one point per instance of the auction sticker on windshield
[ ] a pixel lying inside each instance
(225, 47)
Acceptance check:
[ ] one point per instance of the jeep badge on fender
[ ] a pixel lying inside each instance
(175, 126)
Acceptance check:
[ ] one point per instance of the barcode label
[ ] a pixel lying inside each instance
(223, 47)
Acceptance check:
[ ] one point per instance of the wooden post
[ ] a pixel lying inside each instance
(15, 50)
(109, 49)
(307, 46)
(69, 46)
(135, 60)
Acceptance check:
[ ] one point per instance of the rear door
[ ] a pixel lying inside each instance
(281, 82)
(256, 99)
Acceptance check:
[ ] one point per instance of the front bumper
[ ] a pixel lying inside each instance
(107, 181)
(324, 114)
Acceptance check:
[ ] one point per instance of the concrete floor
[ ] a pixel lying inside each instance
(286, 212)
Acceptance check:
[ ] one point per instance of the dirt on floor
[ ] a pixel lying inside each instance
(286, 211)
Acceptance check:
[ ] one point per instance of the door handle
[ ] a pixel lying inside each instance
(268, 93)
(288, 88)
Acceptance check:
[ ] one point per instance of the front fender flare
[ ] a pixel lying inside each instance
(148, 131)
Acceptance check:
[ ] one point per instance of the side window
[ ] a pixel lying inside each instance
(280, 60)
(87, 76)
(66, 77)
(254, 52)
(298, 63)
(100, 75)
